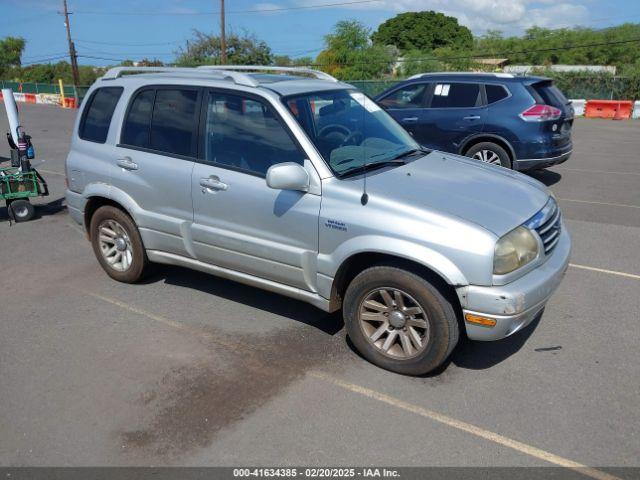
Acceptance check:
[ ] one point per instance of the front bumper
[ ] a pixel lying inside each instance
(515, 305)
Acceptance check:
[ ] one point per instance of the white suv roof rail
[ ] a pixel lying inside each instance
(271, 68)
(494, 74)
(237, 77)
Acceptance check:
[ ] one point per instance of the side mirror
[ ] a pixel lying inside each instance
(288, 176)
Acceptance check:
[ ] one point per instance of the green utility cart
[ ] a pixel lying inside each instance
(16, 187)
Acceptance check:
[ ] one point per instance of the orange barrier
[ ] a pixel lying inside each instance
(69, 102)
(614, 109)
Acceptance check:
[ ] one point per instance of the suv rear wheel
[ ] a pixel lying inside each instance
(489, 152)
(399, 321)
(117, 244)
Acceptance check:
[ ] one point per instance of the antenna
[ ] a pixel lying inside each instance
(364, 199)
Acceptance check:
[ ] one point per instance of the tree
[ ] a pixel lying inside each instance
(204, 49)
(145, 62)
(425, 31)
(51, 72)
(11, 49)
(348, 54)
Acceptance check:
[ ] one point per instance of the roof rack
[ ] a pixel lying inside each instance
(236, 77)
(494, 74)
(271, 68)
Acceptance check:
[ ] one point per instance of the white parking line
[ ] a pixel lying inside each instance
(599, 203)
(50, 172)
(597, 171)
(469, 428)
(381, 397)
(603, 270)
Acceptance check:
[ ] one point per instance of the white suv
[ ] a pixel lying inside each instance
(305, 187)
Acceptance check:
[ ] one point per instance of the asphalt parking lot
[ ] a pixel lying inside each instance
(189, 369)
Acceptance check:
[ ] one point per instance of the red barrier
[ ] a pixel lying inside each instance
(30, 97)
(615, 109)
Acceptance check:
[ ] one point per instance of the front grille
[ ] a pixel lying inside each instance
(547, 223)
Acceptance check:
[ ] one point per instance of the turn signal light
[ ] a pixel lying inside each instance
(478, 320)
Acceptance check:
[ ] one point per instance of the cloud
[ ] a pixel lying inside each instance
(510, 16)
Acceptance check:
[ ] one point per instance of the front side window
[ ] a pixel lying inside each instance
(455, 95)
(350, 130)
(410, 96)
(98, 112)
(244, 134)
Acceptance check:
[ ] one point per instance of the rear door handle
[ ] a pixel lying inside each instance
(127, 163)
(410, 120)
(472, 117)
(212, 183)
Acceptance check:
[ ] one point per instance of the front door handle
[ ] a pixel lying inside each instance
(472, 117)
(410, 120)
(212, 183)
(127, 163)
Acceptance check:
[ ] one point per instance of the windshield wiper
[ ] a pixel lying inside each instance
(412, 151)
(371, 166)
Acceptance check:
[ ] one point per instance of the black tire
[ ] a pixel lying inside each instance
(440, 315)
(139, 261)
(502, 154)
(22, 210)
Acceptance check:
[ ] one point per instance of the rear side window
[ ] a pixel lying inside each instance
(456, 95)
(495, 93)
(97, 114)
(164, 120)
(136, 125)
(549, 94)
(410, 96)
(174, 124)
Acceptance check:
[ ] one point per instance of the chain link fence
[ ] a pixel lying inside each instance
(574, 85)
(34, 87)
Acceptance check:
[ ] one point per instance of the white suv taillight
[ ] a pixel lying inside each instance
(541, 113)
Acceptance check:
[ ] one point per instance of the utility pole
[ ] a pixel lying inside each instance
(72, 48)
(223, 39)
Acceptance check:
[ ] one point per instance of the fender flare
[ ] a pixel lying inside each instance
(107, 191)
(488, 136)
(404, 249)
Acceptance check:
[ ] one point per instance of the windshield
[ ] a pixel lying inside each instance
(350, 130)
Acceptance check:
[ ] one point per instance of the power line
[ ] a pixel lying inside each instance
(44, 60)
(44, 55)
(128, 44)
(228, 12)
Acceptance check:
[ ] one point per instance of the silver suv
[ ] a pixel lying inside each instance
(291, 181)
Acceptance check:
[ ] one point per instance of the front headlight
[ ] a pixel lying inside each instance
(514, 250)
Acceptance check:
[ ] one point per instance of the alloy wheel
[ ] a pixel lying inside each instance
(487, 156)
(115, 245)
(394, 323)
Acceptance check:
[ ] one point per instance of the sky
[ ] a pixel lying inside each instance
(111, 30)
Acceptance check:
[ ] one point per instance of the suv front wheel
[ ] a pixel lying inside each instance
(399, 321)
(117, 244)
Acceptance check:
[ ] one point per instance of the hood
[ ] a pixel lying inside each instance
(490, 196)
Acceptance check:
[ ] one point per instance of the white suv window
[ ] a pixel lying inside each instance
(164, 120)
(244, 134)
